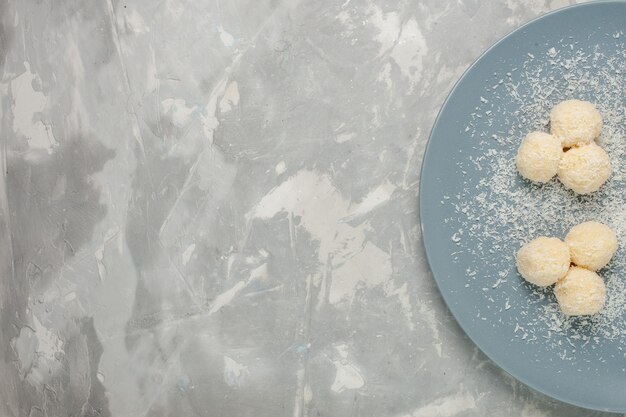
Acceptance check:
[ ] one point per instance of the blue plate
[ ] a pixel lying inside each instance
(476, 211)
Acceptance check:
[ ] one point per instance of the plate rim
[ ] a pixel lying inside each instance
(427, 150)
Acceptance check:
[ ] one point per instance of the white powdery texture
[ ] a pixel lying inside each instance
(499, 211)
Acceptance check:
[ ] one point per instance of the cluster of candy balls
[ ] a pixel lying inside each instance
(579, 289)
(570, 152)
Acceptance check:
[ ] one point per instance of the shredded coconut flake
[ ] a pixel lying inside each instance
(499, 211)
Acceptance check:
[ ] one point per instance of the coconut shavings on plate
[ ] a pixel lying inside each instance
(499, 211)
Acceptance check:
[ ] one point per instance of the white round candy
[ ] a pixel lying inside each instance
(538, 156)
(543, 261)
(575, 122)
(581, 292)
(591, 245)
(584, 169)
